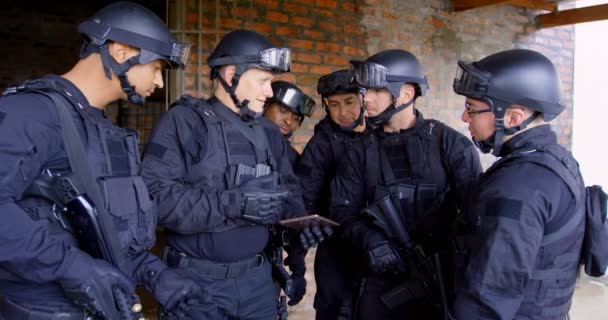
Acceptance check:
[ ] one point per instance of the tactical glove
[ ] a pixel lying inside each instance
(175, 291)
(100, 288)
(311, 236)
(258, 200)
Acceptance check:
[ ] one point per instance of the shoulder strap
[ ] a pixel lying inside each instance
(82, 172)
(558, 161)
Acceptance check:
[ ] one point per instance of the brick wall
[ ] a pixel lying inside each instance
(326, 34)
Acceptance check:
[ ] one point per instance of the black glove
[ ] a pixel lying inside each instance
(297, 265)
(257, 200)
(384, 257)
(99, 287)
(298, 289)
(311, 236)
(175, 292)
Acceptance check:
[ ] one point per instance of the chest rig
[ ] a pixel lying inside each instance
(113, 164)
(228, 153)
(408, 167)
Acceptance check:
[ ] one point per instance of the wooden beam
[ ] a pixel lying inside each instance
(462, 5)
(536, 4)
(572, 16)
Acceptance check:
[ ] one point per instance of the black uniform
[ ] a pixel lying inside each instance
(36, 252)
(188, 164)
(432, 160)
(335, 263)
(528, 230)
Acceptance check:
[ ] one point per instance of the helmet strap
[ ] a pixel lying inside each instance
(386, 115)
(120, 69)
(244, 111)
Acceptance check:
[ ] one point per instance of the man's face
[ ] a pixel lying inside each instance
(285, 119)
(377, 100)
(147, 77)
(481, 124)
(254, 85)
(344, 108)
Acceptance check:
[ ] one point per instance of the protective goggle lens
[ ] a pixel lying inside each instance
(278, 59)
(179, 53)
(369, 74)
(470, 81)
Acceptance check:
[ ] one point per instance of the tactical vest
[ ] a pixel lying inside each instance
(113, 157)
(422, 189)
(548, 293)
(214, 168)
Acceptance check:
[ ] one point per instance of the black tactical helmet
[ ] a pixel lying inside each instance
(248, 49)
(293, 98)
(137, 26)
(390, 69)
(519, 76)
(338, 82)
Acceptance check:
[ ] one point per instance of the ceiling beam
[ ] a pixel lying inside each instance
(536, 4)
(572, 16)
(462, 5)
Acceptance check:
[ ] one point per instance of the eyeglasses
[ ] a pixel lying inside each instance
(472, 113)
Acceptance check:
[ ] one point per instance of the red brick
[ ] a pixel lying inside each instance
(328, 46)
(328, 26)
(350, 7)
(332, 4)
(262, 27)
(302, 21)
(352, 51)
(245, 12)
(301, 44)
(436, 23)
(277, 17)
(299, 67)
(316, 35)
(336, 60)
(289, 77)
(287, 31)
(268, 4)
(323, 12)
(295, 9)
(307, 57)
(352, 29)
(230, 22)
(308, 2)
(390, 15)
(321, 70)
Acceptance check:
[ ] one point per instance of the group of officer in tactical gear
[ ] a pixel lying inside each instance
(422, 232)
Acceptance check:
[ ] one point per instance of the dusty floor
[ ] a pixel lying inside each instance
(590, 302)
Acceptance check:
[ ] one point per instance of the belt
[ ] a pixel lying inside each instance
(216, 270)
(13, 311)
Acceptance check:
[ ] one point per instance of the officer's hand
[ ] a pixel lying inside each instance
(383, 257)
(100, 288)
(298, 288)
(259, 201)
(311, 236)
(176, 293)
